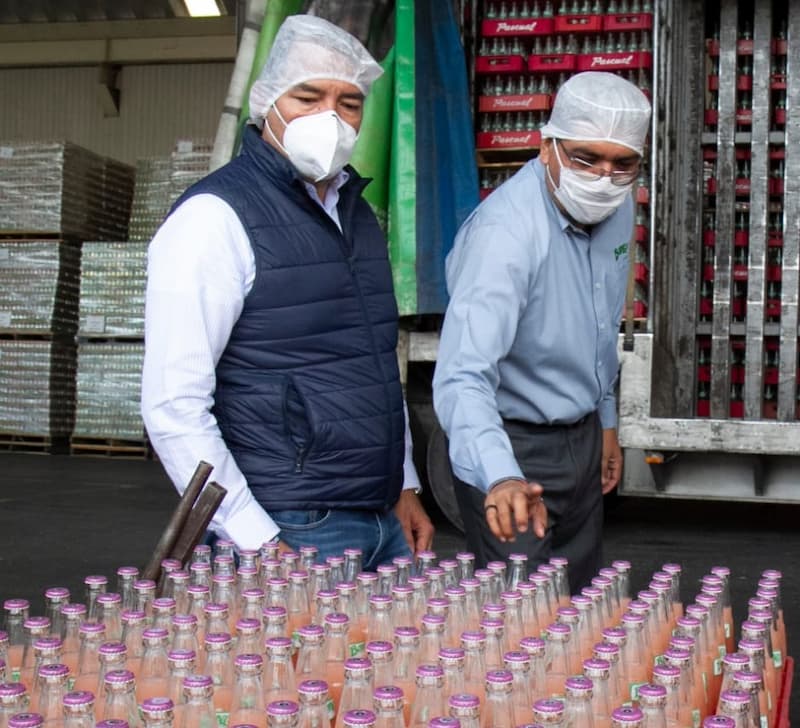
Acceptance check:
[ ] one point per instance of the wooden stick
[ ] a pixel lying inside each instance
(197, 523)
(177, 521)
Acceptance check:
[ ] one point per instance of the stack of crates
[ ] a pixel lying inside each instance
(526, 50)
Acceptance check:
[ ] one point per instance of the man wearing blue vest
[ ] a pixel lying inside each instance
(527, 367)
(271, 323)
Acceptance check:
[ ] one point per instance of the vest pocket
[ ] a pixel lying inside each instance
(299, 430)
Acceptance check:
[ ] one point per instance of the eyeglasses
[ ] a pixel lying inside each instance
(591, 172)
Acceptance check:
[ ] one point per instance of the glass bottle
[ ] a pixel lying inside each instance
(52, 682)
(627, 717)
(578, 709)
(182, 663)
(537, 651)
(311, 655)
(145, 592)
(133, 626)
(494, 646)
(653, 704)
(405, 664)
(248, 637)
(198, 698)
(558, 657)
(26, 720)
(381, 655)
(586, 631)
(92, 635)
(571, 617)
(78, 709)
(366, 584)
(314, 708)
(549, 712)
(474, 645)
(735, 703)
(517, 570)
(358, 718)
(308, 557)
(429, 700)
(405, 568)
(387, 703)
(598, 672)
(216, 618)
(163, 612)
(35, 628)
(352, 564)
(16, 612)
(336, 625)
(13, 700)
(637, 652)
(419, 585)
(402, 598)
(466, 562)
(177, 586)
(279, 675)
(109, 612)
(157, 713)
(219, 665)
(379, 622)
(110, 656)
(275, 622)
(197, 596)
(346, 592)
(611, 654)
(46, 651)
(451, 660)
(298, 611)
(327, 602)
(120, 698)
(153, 674)
(336, 563)
(94, 585)
(247, 704)
(184, 632)
(753, 684)
(252, 603)
(432, 632)
(512, 628)
(54, 598)
(357, 691)
(466, 708)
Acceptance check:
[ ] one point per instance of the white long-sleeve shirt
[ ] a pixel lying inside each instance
(200, 268)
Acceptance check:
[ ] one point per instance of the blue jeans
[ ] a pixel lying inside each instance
(379, 535)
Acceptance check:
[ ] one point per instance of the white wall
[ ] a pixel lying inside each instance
(159, 104)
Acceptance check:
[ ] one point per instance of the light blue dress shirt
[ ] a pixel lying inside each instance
(531, 329)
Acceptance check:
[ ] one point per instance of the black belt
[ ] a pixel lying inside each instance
(550, 426)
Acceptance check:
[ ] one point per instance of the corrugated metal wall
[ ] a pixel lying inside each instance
(158, 104)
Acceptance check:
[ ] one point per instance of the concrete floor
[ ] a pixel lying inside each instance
(66, 517)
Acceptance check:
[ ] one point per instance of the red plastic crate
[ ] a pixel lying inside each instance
(641, 273)
(508, 139)
(516, 102)
(641, 233)
(777, 82)
(737, 409)
(769, 410)
(737, 375)
(775, 186)
(744, 83)
(742, 186)
(744, 47)
(543, 62)
(708, 272)
(704, 373)
(579, 23)
(711, 186)
(741, 238)
(628, 21)
(709, 237)
(780, 116)
(517, 26)
(706, 307)
(712, 46)
(485, 192)
(713, 83)
(774, 273)
(773, 307)
(500, 64)
(703, 408)
(618, 61)
(710, 117)
(639, 309)
(772, 375)
(744, 117)
(642, 195)
(782, 719)
(739, 272)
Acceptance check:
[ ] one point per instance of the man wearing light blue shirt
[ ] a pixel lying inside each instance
(527, 368)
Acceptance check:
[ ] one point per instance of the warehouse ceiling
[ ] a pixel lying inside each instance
(78, 11)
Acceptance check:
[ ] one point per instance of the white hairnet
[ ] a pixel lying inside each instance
(306, 48)
(600, 107)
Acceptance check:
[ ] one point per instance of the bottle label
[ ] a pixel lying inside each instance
(222, 719)
(718, 666)
(356, 649)
(635, 690)
(722, 651)
(71, 683)
(15, 674)
(763, 722)
(295, 641)
(777, 658)
(727, 630)
(696, 718)
(331, 708)
(659, 660)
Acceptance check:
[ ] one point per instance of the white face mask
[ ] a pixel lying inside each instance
(586, 201)
(318, 145)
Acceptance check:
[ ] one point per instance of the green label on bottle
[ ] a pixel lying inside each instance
(15, 674)
(718, 666)
(70, 683)
(635, 690)
(695, 718)
(222, 719)
(356, 649)
(777, 659)
(659, 660)
(295, 641)
(331, 709)
(722, 651)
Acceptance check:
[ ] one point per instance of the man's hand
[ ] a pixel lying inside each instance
(511, 505)
(611, 466)
(415, 522)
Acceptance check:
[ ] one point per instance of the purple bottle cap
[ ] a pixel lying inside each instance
(155, 633)
(664, 576)
(157, 705)
(218, 638)
(25, 720)
(734, 696)
(388, 692)
(592, 592)
(559, 561)
(109, 598)
(381, 647)
(672, 569)
(688, 622)
(112, 649)
(92, 628)
(117, 677)
(359, 717)
(581, 601)
(404, 590)
(432, 671)
(198, 681)
(746, 677)
(499, 677)
(283, 707)
(328, 594)
(95, 580)
(472, 583)
(601, 582)
(312, 687)
(410, 632)
(47, 643)
(16, 605)
(649, 691)
(198, 589)
(112, 723)
(748, 645)
(215, 608)
(165, 603)
(132, 616)
(380, 599)
(246, 624)
(57, 593)
(144, 585)
(719, 721)
(253, 593)
(627, 714)
(578, 684)
(548, 706)
(53, 671)
(310, 631)
(274, 612)
(631, 618)
(525, 588)
(300, 575)
(247, 659)
(451, 654)
(736, 659)
(752, 628)
(609, 573)
(677, 654)
(73, 609)
(464, 700)
(621, 565)
(444, 721)
(432, 620)
(666, 671)
(78, 698)
(127, 571)
(772, 574)
(614, 635)
(596, 665)
(370, 577)
(11, 690)
(558, 629)
(605, 650)
(357, 663)
(278, 643)
(35, 623)
(433, 572)
(187, 620)
(698, 611)
(682, 642)
(181, 655)
(568, 613)
(337, 618)
(455, 592)
(516, 657)
(532, 645)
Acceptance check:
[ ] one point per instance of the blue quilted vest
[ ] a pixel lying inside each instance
(308, 394)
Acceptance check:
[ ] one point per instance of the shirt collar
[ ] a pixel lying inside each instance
(332, 192)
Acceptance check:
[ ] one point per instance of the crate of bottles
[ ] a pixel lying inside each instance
(113, 281)
(39, 282)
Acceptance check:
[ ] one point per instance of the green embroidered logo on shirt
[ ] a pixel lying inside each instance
(621, 250)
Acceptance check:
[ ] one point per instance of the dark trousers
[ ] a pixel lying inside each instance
(565, 461)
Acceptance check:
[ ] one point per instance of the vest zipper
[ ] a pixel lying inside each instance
(299, 459)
